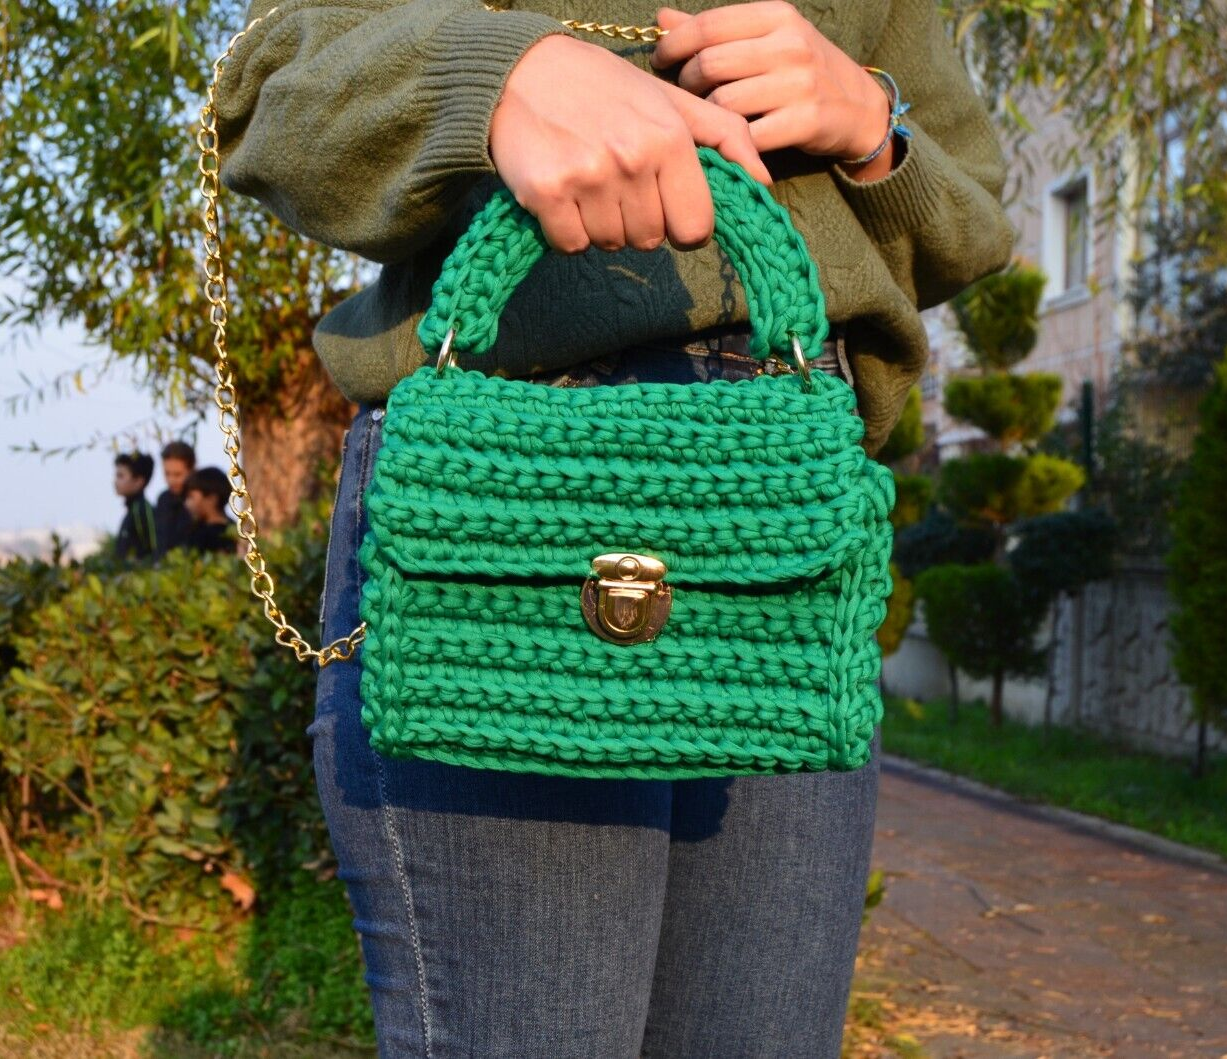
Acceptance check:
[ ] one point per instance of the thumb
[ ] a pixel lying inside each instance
(668, 17)
(713, 126)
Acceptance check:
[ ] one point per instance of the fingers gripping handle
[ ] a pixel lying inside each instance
(505, 241)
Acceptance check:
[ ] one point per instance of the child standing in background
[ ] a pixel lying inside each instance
(205, 496)
(172, 518)
(138, 536)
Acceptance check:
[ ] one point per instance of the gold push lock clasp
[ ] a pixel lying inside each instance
(625, 599)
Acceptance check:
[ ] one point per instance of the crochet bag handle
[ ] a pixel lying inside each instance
(504, 241)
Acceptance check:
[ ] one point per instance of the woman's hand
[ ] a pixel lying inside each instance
(767, 59)
(603, 153)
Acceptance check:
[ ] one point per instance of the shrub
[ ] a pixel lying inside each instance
(1197, 567)
(163, 733)
(982, 621)
(938, 539)
(981, 487)
(1010, 408)
(899, 608)
(1062, 552)
(908, 434)
(913, 495)
(999, 314)
(1046, 484)
(997, 489)
(1136, 478)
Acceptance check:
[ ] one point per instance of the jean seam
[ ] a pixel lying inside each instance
(407, 894)
(332, 524)
(365, 461)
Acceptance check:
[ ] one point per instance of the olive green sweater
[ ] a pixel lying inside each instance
(364, 124)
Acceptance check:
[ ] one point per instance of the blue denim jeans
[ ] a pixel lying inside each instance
(506, 914)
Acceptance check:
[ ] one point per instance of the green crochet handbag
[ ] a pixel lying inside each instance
(649, 580)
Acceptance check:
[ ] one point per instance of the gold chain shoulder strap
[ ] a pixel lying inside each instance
(224, 393)
(648, 34)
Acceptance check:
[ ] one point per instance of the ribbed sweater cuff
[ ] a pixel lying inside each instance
(904, 200)
(472, 55)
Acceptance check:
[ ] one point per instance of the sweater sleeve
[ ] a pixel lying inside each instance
(937, 217)
(362, 124)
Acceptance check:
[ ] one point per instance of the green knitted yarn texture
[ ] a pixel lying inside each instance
(504, 241)
(490, 497)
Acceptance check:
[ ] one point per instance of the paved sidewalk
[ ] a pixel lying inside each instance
(1004, 934)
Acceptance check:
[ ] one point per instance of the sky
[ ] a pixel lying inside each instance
(73, 493)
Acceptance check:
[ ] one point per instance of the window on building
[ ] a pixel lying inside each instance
(1076, 225)
(1068, 237)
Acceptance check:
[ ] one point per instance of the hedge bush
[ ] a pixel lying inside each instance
(162, 733)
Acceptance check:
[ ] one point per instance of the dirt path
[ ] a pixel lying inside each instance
(1003, 934)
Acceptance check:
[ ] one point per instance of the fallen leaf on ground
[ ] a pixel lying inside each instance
(243, 892)
(51, 898)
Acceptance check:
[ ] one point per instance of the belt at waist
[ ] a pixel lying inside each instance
(734, 341)
(721, 352)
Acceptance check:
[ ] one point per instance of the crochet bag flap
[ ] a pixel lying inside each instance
(649, 580)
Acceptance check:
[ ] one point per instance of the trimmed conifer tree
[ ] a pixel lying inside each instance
(1197, 568)
(980, 615)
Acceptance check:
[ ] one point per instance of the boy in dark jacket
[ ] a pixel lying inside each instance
(205, 495)
(138, 535)
(174, 522)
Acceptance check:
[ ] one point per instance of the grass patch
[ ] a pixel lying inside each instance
(92, 969)
(1075, 769)
(301, 973)
(286, 984)
(290, 977)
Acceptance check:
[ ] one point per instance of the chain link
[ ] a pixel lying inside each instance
(648, 34)
(225, 395)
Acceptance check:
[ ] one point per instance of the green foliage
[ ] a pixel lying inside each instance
(913, 495)
(875, 890)
(899, 608)
(1063, 552)
(980, 619)
(1070, 767)
(1118, 72)
(999, 315)
(908, 433)
(1046, 484)
(27, 584)
(995, 489)
(121, 710)
(24, 585)
(1010, 408)
(164, 733)
(1197, 561)
(980, 488)
(300, 961)
(1178, 289)
(133, 972)
(99, 200)
(938, 539)
(293, 970)
(1136, 479)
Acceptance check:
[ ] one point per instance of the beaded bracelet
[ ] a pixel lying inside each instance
(897, 110)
